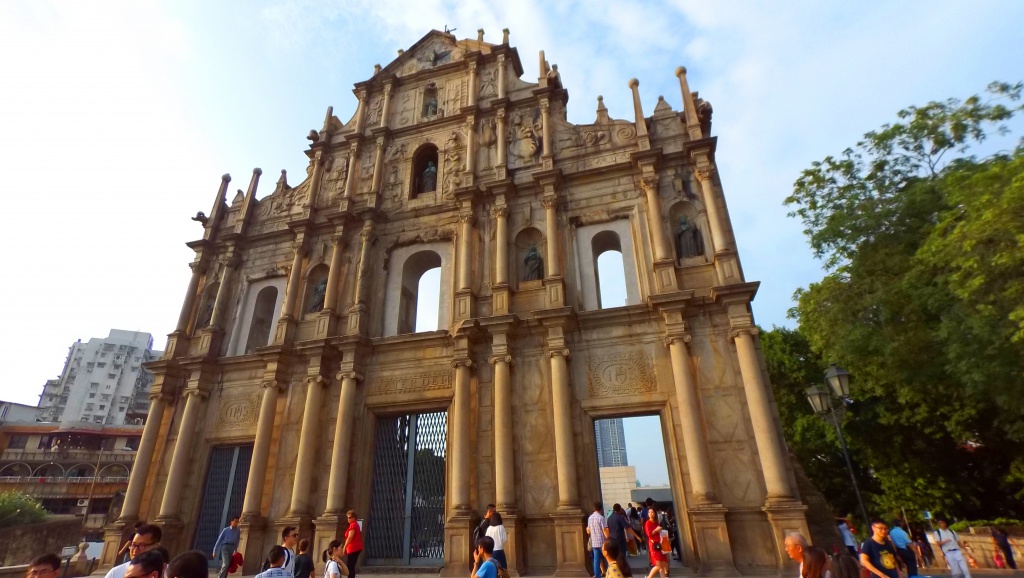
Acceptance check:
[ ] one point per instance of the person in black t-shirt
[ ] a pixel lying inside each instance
(303, 561)
(877, 554)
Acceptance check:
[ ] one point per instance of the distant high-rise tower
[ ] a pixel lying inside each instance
(611, 443)
(103, 381)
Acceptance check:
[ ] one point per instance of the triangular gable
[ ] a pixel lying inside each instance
(435, 49)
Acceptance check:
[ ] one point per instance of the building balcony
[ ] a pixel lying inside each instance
(64, 487)
(70, 456)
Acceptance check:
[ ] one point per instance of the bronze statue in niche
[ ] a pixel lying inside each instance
(689, 242)
(429, 179)
(534, 265)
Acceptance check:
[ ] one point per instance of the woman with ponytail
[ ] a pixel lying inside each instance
(332, 557)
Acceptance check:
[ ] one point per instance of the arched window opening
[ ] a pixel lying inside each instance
(610, 269)
(262, 319)
(420, 303)
(316, 291)
(81, 471)
(49, 471)
(424, 171)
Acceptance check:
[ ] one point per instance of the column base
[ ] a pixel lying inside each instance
(570, 543)
(173, 530)
(785, 515)
(515, 528)
(326, 528)
(665, 276)
(114, 536)
(253, 542)
(458, 552)
(711, 533)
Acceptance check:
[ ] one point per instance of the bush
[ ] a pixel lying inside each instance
(1001, 522)
(17, 509)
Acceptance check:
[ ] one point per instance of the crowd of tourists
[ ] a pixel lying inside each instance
(631, 531)
(890, 552)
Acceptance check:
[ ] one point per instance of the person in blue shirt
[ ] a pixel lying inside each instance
(483, 566)
(226, 545)
(904, 546)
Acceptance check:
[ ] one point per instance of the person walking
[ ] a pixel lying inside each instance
(597, 529)
(618, 565)
(483, 565)
(795, 545)
(877, 554)
(904, 547)
(658, 558)
(849, 540)
(496, 531)
(226, 544)
(1002, 540)
(303, 567)
(952, 549)
(44, 566)
(289, 537)
(620, 530)
(353, 543)
(332, 556)
(147, 537)
(122, 554)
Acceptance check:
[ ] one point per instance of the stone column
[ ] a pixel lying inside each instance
(338, 481)
(220, 305)
(334, 275)
(504, 479)
(697, 459)
(350, 174)
(501, 242)
(378, 165)
(261, 451)
(471, 146)
(773, 458)
(545, 119)
(465, 244)
(308, 437)
(502, 157)
(294, 279)
(461, 414)
(190, 297)
(553, 266)
(143, 459)
(472, 83)
(705, 174)
(386, 106)
(661, 249)
(501, 79)
(181, 456)
(315, 178)
(565, 452)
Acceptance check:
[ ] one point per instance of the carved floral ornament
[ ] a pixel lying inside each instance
(500, 212)
(704, 172)
(650, 184)
(621, 373)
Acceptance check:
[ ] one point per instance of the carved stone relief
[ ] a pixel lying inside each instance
(523, 138)
(336, 171)
(238, 411)
(386, 384)
(621, 373)
(488, 83)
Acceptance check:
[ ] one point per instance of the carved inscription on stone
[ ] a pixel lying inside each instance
(239, 412)
(621, 373)
(389, 384)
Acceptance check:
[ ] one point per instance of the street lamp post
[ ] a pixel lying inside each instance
(838, 380)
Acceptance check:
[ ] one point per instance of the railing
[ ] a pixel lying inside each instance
(63, 480)
(86, 456)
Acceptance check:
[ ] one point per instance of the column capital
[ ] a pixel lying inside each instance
(198, 266)
(466, 217)
(501, 357)
(562, 351)
(735, 332)
(704, 171)
(500, 113)
(682, 336)
(160, 396)
(342, 375)
(549, 202)
(318, 379)
(500, 211)
(650, 184)
(464, 362)
(272, 383)
(195, 391)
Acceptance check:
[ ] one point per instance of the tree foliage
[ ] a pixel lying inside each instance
(924, 303)
(17, 509)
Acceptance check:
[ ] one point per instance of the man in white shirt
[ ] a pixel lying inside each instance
(597, 529)
(795, 546)
(147, 537)
(952, 549)
(289, 537)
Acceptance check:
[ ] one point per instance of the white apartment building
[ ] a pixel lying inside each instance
(103, 381)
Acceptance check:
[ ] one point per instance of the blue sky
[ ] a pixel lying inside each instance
(118, 118)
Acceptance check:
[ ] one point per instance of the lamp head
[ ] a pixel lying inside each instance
(839, 380)
(818, 399)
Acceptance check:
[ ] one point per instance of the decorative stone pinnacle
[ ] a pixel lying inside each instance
(257, 171)
(681, 71)
(633, 83)
(225, 177)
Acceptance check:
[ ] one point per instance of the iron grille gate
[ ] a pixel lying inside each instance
(406, 522)
(223, 493)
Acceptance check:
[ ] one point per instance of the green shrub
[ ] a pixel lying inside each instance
(1002, 522)
(17, 509)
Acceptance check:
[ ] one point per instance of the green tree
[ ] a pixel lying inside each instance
(17, 509)
(922, 303)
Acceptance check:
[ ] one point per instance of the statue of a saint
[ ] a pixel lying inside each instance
(534, 265)
(319, 292)
(429, 178)
(206, 313)
(432, 107)
(689, 242)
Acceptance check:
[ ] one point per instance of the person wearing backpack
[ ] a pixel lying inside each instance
(483, 565)
(952, 549)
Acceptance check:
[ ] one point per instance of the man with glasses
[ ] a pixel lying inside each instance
(148, 564)
(44, 566)
(146, 538)
(877, 554)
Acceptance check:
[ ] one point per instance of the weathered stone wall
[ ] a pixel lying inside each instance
(20, 544)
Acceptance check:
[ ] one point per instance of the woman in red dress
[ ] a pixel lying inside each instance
(658, 558)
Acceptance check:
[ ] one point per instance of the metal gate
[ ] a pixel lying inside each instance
(223, 493)
(406, 521)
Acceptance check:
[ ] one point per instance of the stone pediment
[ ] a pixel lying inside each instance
(433, 50)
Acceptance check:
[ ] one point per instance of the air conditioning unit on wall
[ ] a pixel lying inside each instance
(83, 502)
